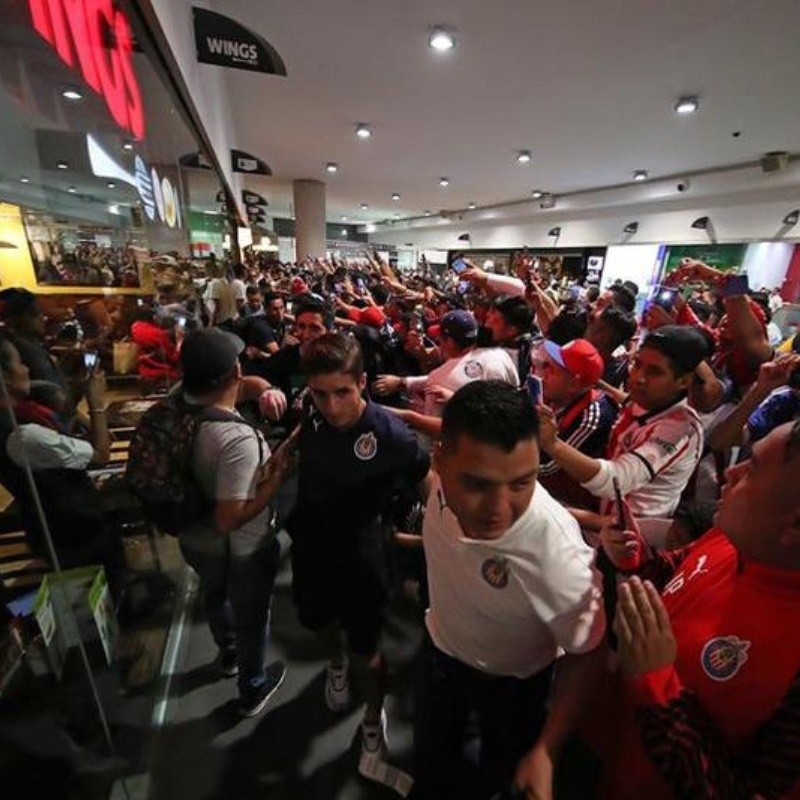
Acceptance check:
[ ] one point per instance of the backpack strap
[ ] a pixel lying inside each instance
(214, 414)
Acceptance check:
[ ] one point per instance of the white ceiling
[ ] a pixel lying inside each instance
(586, 86)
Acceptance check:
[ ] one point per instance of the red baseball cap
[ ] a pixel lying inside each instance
(578, 357)
(371, 315)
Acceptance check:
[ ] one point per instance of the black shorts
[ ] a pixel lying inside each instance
(347, 586)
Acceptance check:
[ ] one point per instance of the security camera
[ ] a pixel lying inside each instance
(683, 185)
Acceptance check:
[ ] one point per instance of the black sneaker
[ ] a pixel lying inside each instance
(254, 700)
(227, 664)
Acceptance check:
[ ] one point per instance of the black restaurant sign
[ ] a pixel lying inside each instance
(222, 41)
(244, 162)
(251, 198)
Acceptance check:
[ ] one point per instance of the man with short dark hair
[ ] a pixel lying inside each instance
(657, 440)
(232, 549)
(509, 322)
(512, 588)
(354, 458)
(610, 332)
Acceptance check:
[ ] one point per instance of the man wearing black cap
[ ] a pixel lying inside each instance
(463, 363)
(232, 550)
(657, 440)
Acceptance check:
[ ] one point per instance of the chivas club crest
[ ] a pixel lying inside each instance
(495, 572)
(366, 446)
(723, 657)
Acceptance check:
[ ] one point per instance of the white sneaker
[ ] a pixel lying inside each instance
(337, 687)
(373, 738)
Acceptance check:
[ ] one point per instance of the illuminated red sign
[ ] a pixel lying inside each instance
(96, 37)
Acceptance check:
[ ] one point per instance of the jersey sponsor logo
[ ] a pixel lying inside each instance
(366, 446)
(667, 447)
(473, 369)
(724, 656)
(495, 571)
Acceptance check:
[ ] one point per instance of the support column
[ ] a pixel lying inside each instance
(309, 218)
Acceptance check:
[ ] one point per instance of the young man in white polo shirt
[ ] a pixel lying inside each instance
(512, 587)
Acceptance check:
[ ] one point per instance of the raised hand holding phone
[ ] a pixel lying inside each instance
(622, 541)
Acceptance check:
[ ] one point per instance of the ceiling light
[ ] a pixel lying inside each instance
(472, 206)
(397, 216)
(554, 232)
(791, 218)
(641, 175)
(127, 145)
(71, 189)
(441, 40)
(524, 157)
(72, 94)
(686, 105)
(427, 213)
(331, 167)
(344, 232)
(111, 185)
(536, 194)
(24, 179)
(62, 165)
(395, 197)
(113, 208)
(363, 131)
(344, 219)
(444, 182)
(631, 228)
(364, 206)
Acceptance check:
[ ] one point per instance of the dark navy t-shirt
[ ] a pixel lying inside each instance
(348, 477)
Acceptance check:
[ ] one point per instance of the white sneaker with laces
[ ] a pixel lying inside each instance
(337, 687)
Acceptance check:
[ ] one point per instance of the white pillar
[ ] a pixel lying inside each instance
(309, 218)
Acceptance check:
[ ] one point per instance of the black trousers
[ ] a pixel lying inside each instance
(508, 712)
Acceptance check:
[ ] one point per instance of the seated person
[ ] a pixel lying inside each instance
(70, 502)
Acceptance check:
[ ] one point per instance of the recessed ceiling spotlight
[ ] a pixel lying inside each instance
(344, 219)
(427, 213)
(537, 193)
(443, 182)
(332, 167)
(363, 131)
(524, 157)
(397, 216)
(364, 206)
(472, 206)
(24, 179)
(72, 189)
(71, 93)
(686, 105)
(441, 39)
(111, 185)
(127, 145)
(62, 165)
(641, 175)
(395, 197)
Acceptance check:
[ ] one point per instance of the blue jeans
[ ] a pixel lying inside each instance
(237, 591)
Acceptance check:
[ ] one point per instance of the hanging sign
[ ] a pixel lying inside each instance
(244, 162)
(224, 42)
(95, 37)
(252, 199)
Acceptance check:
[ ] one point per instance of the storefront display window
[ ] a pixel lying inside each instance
(90, 162)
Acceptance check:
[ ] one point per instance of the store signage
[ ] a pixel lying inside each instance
(194, 161)
(244, 162)
(251, 198)
(224, 42)
(95, 37)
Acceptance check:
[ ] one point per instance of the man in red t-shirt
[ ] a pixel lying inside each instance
(709, 647)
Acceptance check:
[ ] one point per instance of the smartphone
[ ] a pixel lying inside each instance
(181, 322)
(621, 521)
(463, 287)
(90, 360)
(534, 386)
(139, 302)
(665, 297)
(458, 265)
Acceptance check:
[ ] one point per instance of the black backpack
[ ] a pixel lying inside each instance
(159, 469)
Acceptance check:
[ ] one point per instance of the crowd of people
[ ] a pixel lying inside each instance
(593, 490)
